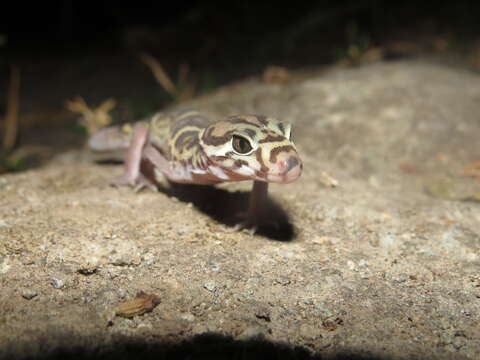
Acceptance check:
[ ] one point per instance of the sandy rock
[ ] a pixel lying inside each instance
(373, 265)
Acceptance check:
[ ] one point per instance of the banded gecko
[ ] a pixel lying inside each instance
(187, 147)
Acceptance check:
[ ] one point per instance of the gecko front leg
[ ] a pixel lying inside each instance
(256, 205)
(251, 219)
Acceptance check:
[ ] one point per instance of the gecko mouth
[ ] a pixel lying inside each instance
(283, 171)
(290, 171)
(283, 178)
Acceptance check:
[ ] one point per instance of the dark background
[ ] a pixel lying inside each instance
(231, 37)
(68, 48)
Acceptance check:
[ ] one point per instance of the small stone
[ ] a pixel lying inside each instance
(320, 240)
(120, 261)
(87, 270)
(29, 294)
(148, 259)
(252, 332)
(331, 324)
(200, 328)
(122, 293)
(262, 312)
(387, 241)
(320, 307)
(183, 231)
(187, 317)
(327, 180)
(351, 265)
(309, 331)
(57, 283)
(4, 264)
(144, 325)
(282, 280)
(363, 262)
(210, 285)
(129, 323)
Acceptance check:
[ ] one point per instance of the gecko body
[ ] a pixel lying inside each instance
(187, 147)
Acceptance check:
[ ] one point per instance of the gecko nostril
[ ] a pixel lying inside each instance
(292, 161)
(288, 164)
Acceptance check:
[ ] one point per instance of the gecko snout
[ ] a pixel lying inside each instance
(288, 168)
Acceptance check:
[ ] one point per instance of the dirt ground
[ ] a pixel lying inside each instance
(383, 265)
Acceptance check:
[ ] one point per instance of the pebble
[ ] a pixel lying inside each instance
(187, 317)
(29, 294)
(210, 285)
(323, 309)
(57, 283)
(183, 231)
(308, 331)
(87, 270)
(122, 293)
(282, 280)
(252, 332)
(262, 312)
(387, 241)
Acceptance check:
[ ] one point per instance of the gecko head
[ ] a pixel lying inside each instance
(251, 147)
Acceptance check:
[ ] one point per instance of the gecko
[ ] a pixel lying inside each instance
(190, 148)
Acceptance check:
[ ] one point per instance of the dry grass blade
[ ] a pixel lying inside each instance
(11, 117)
(25, 152)
(159, 73)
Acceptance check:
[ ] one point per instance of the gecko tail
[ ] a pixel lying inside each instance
(110, 139)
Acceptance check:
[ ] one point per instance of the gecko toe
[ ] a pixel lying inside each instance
(138, 183)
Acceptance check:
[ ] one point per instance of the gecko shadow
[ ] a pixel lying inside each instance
(224, 207)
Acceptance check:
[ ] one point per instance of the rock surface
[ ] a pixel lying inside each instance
(375, 266)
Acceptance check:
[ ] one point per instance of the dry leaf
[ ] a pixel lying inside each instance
(327, 180)
(408, 168)
(93, 119)
(441, 190)
(142, 304)
(445, 190)
(472, 169)
(372, 54)
(475, 197)
(275, 75)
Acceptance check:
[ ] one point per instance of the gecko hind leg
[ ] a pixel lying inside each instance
(132, 175)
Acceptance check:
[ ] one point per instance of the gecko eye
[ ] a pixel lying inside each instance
(241, 145)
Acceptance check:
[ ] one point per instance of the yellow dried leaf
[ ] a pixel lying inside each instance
(472, 197)
(441, 190)
(93, 119)
(140, 305)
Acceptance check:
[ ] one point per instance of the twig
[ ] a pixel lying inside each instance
(183, 71)
(11, 116)
(159, 73)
